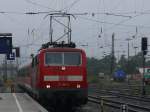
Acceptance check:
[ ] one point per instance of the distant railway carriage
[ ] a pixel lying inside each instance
(119, 75)
(56, 72)
(147, 75)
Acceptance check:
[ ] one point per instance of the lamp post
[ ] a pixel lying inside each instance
(135, 47)
(128, 39)
(144, 51)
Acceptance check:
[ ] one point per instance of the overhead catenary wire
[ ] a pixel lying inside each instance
(106, 13)
(20, 23)
(109, 14)
(71, 5)
(78, 14)
(37, 4)
(117, 5)
(12, 19)
(30, 13)
(111, 23)
(6, 13)
(123, 21)
(30, 44)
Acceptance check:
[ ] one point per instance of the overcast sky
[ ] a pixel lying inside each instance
(125, 18)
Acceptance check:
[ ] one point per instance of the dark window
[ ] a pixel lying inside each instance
(72, 59)
(63, 58)
(53, 58)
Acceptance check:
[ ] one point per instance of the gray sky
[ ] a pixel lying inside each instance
(123, 17)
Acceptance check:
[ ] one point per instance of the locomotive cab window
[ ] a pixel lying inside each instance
(53, 58)
(72, 59)
(63, 58)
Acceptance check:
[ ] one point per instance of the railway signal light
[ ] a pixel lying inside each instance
(144, 45)
(144, 49)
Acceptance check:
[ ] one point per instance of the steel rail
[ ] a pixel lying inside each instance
(118, 104)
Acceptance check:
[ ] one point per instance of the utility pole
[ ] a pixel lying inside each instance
(144, 51)
(112, 54)
(128, 39)
(118, 55)
(135, 47)
(5, 75)
(143, 83)
(17, 67)
(51, 29)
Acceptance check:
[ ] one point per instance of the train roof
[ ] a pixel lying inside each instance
(61, 49)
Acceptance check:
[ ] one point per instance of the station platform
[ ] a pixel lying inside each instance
(19, 102)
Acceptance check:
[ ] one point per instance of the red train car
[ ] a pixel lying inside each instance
(57, 73)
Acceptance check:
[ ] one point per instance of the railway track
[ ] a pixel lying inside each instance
(120, 97)
(122, 88)
(118, 105)
(118, 94)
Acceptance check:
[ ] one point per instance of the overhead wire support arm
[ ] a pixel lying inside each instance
(62, 14)
(61, 37)
(61, 23)
(69, 30)
(53, 17)
(51, 30)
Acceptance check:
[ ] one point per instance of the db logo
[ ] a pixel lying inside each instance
(63, 68)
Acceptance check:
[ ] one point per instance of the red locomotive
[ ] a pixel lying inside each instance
(57, 73)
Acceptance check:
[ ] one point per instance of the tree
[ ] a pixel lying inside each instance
(122, 63)
(130, 66)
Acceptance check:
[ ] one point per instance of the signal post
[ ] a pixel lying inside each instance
(144, 52)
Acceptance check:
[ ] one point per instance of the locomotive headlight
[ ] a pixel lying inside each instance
(78, 86)
(48, 86)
